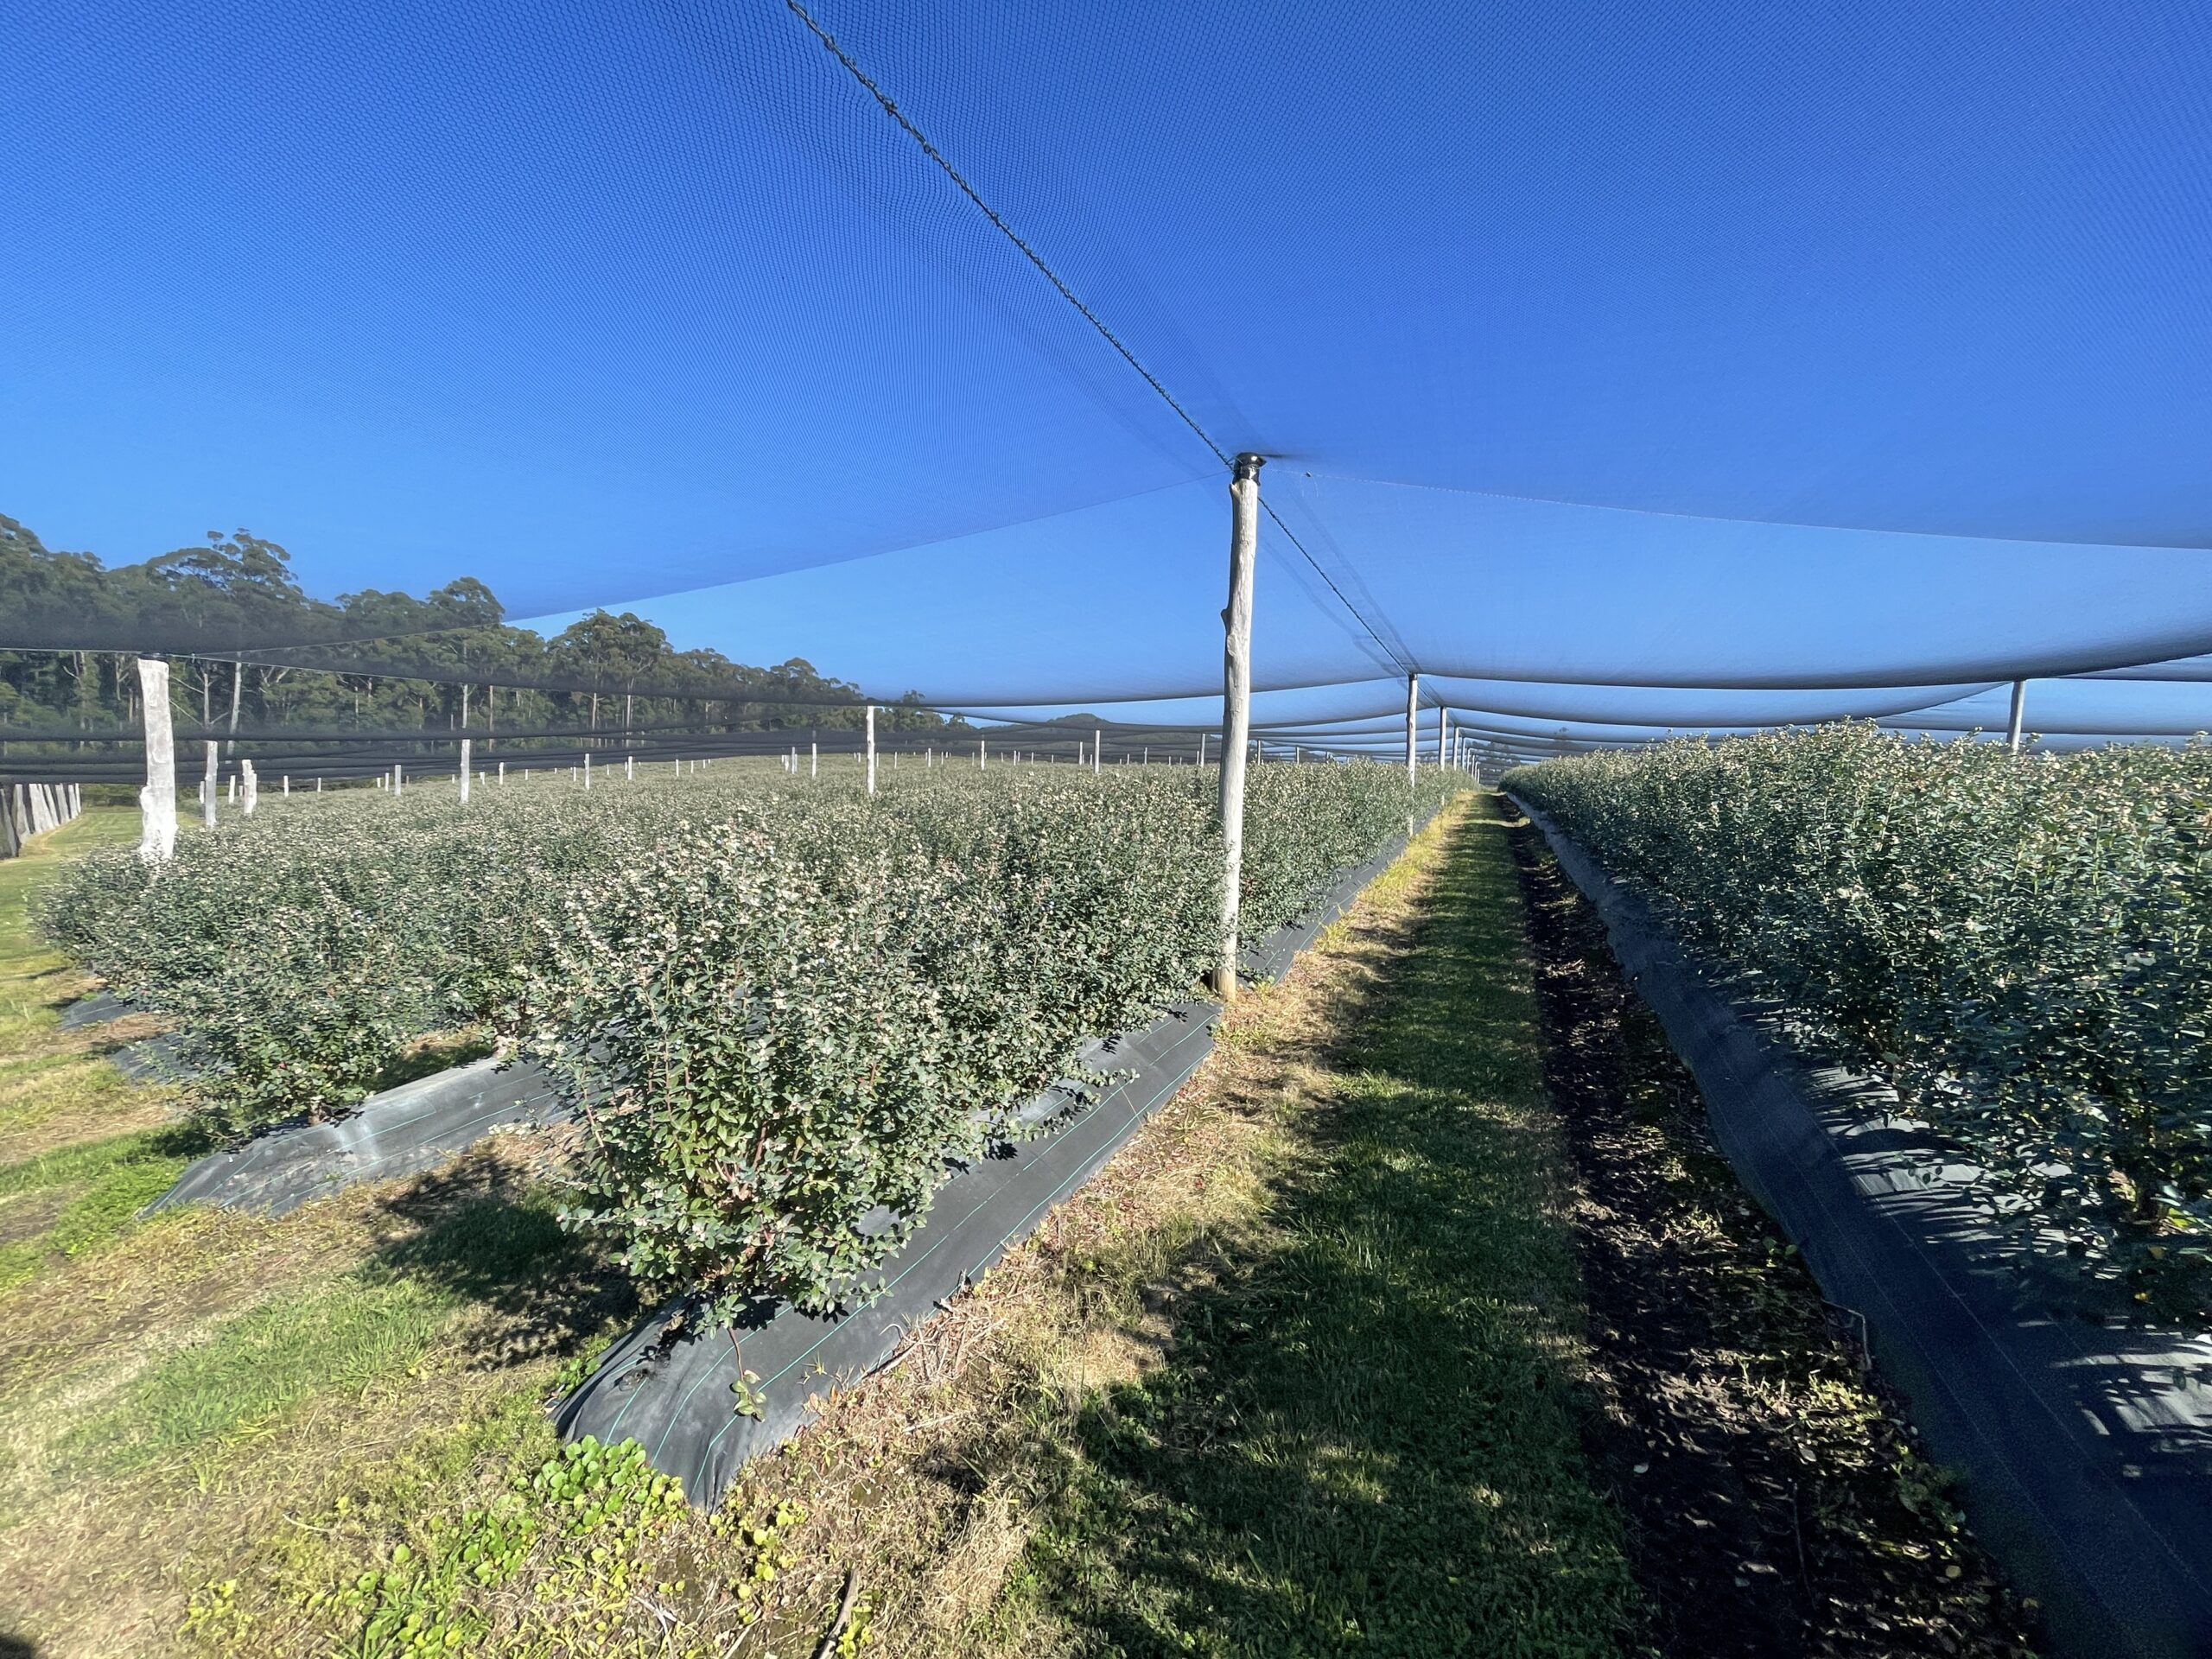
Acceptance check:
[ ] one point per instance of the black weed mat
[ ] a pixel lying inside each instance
(1776, 1504)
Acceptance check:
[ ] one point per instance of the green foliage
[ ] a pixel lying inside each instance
(2019, 945)
(593, 1502)
(390, 662)
(782, 1025)
(780, 1006)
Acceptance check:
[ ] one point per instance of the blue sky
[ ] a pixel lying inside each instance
(1822, 344)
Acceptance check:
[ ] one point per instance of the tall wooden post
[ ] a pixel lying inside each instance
(1236, 705)
(1413, 727)
(868, 720)
(252, 787)
(158, 801)
(209, 790)
(2020, 712)
(1413, 750)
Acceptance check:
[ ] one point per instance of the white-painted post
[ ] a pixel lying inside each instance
(1443, 727)
(983, 754)
(158, 801)
(503, 774)
(868, 718)
(252, 787)
(1098, 753)
(1236, 706)
(2019, 713)
(1413, 730)
(814, 759)
(466, 763)
(399, 778)
(231, 785)
(211, 790)
(629, 769)
(284, 783)
(318, 784)
(1202, 749)
(586, 768)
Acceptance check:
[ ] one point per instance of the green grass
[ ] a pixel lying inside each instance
(93, 1193)
(23, 955)
(1369, 1441)
(374, 1323)
(85, 1194)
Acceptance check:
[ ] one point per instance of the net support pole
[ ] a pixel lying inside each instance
(209, 790)
(1412, 745)
(867, 720)
(814, 759)
(2020, 712)
(158, 801)
(251, 797)
(466, 760)
(1236, 705)
(1443, 732)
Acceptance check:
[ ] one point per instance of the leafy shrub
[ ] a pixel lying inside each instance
(2019, 945)
(779, 1006)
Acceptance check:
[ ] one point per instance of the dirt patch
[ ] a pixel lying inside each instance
(1776, 1504)
(26, 1215)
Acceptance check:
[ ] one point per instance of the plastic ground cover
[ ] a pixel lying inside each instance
(401, 1131)
(674, 1393)
(2086, 1447)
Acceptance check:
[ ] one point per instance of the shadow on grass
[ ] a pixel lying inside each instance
(496, 1244)
(1367, 1437)
(480, 1269)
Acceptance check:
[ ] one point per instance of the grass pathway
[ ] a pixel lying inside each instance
(1368, 1440)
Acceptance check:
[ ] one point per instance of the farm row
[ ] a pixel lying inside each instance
(2023, 948)
(780, 1005)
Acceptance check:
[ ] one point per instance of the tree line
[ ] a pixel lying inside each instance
(253, 653)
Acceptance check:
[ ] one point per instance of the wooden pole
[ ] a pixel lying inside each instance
(868, 720)
(1236, 706)
(208, 791)
(2020, 712)
(1413, 728)
(1413, 752)
(465, 764)
(158, 801)
(1443, 731)
(252, 788)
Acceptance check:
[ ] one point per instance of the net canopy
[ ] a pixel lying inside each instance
(1623, 369)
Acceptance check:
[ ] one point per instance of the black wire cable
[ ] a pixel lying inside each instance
(890, 108)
